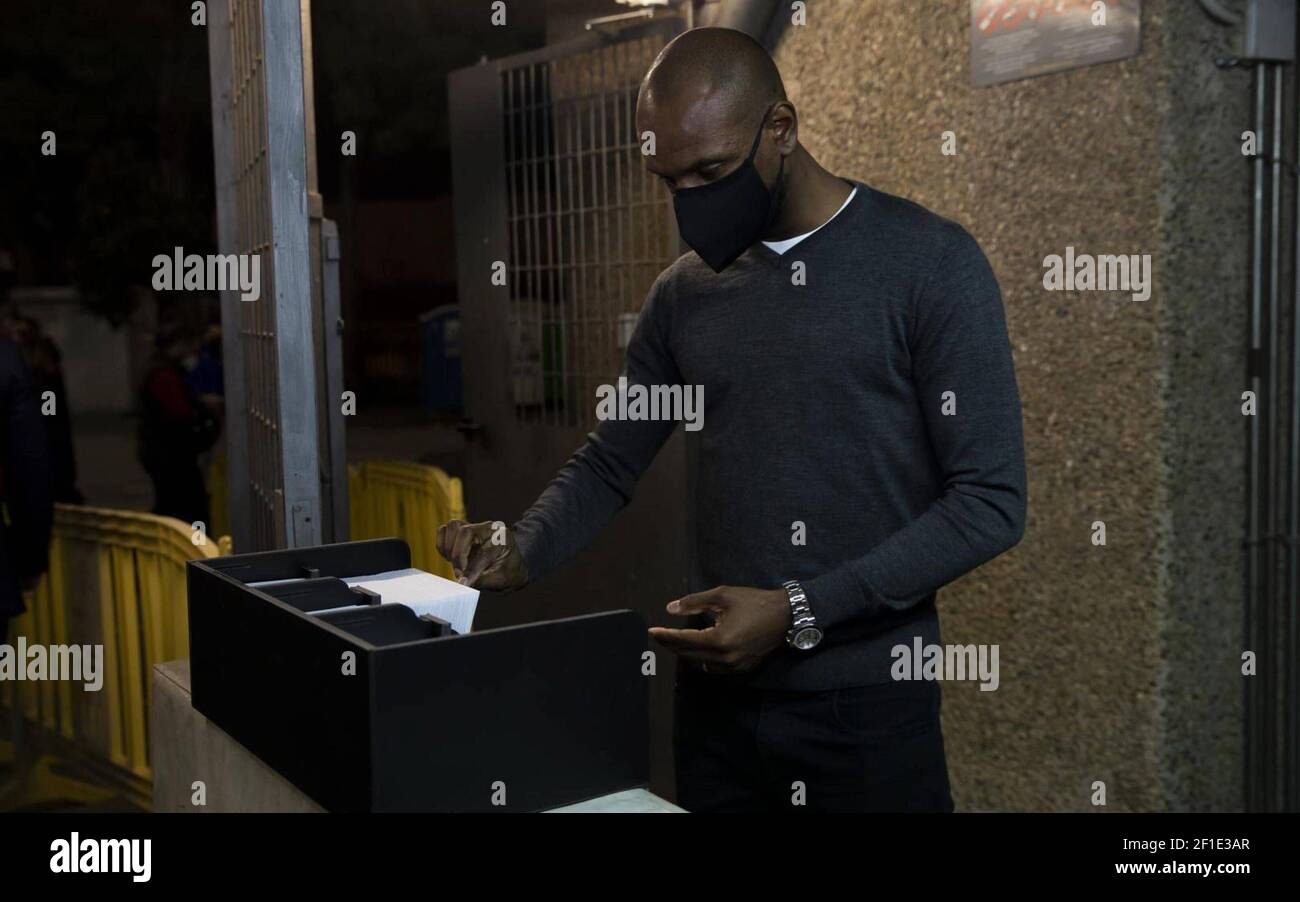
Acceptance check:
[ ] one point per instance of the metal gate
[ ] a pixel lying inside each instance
(588, 228)
(282, 381)
(560, 234)
(550, 192)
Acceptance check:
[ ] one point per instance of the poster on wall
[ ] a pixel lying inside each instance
(1014, 39)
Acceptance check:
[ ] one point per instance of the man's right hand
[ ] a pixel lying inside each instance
(483, 555)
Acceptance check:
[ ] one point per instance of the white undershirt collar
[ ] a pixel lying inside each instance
(785, 244)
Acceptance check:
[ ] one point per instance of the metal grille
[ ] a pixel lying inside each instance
(588, 229)
(257, 319)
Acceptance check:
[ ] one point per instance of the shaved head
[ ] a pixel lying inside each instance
(705, 99)
(719, 63)
(713, 103)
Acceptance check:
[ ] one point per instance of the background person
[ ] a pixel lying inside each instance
(25, 486)
(175, 428)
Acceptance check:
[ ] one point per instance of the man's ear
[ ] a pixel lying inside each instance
(786, 120)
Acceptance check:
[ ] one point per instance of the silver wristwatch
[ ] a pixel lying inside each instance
(804, 634)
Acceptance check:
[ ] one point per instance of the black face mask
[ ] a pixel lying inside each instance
(721, 220)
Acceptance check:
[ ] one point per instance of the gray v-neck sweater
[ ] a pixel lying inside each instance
(861, 431)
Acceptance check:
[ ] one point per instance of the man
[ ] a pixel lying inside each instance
(45, 363)
(175, 428)
(861, 447)
(25, 486)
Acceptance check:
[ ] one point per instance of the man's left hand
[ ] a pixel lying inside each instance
(747, 625)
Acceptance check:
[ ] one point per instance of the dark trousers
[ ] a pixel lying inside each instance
(865, 749)
(178, 489)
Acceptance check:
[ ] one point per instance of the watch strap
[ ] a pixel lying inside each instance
(801, 615)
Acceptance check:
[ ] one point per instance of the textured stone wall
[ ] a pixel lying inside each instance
(1118, 663)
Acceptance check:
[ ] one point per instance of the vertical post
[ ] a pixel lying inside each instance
(282, 55)
(482, 218)
(1291, 594)
(331, 349)
(322, 330)
(221, 71)
(1254, 533)
(1270, 664)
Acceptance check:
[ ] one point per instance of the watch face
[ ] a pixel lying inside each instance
(807, 638)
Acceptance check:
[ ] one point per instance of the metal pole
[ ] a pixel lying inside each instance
(335, 473)
(295, 367)
(221, 79)
(1292, 694)
(1251, 618)
(1270, 669)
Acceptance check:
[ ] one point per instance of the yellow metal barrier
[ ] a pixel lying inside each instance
(117, 579)
(409, 500)
(219, 496)
(385, 498)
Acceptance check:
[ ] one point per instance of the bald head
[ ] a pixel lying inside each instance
(722, 64)
(704, 99)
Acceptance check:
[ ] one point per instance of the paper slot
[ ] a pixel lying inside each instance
(424, 593)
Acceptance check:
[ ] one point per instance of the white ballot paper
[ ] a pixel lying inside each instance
(424, 593)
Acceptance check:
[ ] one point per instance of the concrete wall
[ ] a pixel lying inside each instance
(1118, 663)
(93, 351)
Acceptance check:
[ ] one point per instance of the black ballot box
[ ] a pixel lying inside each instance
(371, 711)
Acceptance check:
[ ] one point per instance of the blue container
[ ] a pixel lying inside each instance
(440, 373)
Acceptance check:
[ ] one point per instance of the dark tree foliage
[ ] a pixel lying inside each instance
(124, 89)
